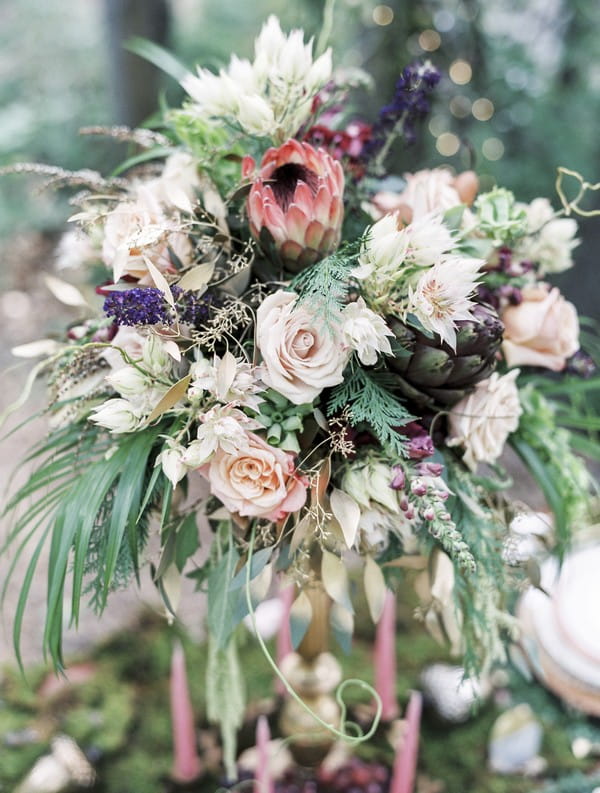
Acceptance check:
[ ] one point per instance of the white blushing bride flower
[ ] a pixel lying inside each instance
(365, 332)
(441, 296)
(271, 96)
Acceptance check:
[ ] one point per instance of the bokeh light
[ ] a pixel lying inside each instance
(430, 40)
(460, 106)
(483, 109)
(383, 15)
(492, 149)
(460, 72)
(447, 144)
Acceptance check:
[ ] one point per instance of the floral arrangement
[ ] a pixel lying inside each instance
(324, 360)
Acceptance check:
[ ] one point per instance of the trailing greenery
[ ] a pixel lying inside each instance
(91, 496)
(546, 449)
(369, 400)
(481, 594)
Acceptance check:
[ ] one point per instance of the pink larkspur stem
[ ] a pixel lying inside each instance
(385, 659)
(262, 781)
(284, 635)
(186, 765)
(405, 763)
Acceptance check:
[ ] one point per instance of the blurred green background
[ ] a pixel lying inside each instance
(520, 94)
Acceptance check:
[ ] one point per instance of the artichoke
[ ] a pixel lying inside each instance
(430, 373)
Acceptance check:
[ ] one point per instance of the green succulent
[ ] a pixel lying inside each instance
(282, 420)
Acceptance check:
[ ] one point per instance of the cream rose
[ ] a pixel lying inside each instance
(543, 330)
(256, 480)
(483, 420)
(301, 356)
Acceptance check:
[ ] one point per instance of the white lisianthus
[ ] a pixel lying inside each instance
(271, 96)
(365, 331)
(551, 239)
(117, 415)
(483, 420)
(74, 249)
(369, 482)
(171, 460)
(441, 296)
(178, 182)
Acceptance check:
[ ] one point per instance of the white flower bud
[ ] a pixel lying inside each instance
(128, 381)
(172, 465)
(117, 415)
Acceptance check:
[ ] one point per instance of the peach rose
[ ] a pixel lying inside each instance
(428, 191)
(543, 330)
(301, 356)
(257, 480)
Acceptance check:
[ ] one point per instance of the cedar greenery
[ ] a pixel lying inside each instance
(371, 402)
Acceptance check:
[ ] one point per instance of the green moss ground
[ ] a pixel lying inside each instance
(122, 717)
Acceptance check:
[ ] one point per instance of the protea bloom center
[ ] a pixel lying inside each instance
(295, 203)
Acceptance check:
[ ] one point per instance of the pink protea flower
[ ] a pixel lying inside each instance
(296, 196)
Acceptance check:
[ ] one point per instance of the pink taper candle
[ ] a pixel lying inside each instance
(385, 659)
(284, 636)
(186, 765)
(405, 763)
(262, 780)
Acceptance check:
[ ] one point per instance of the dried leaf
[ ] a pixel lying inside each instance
(347, 513)
(300, 531)
(35, 348)
(342, 625)
(171, 398)
(170, 590)
(335, 580)
(375, 589)
(198, 277)
(160, 282)
(301, 614)
(259, 586)
(226, 374)
(66, 293)
(172, 349)
(318, 490)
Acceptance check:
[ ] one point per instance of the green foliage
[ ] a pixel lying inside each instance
(90, 494)
(481, 594)
(370, 402)
(225, 697)
(324, 286)
(546, 449)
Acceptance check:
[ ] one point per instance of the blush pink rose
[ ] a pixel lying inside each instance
(543, 330)
(301, 356)
(258, 480)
